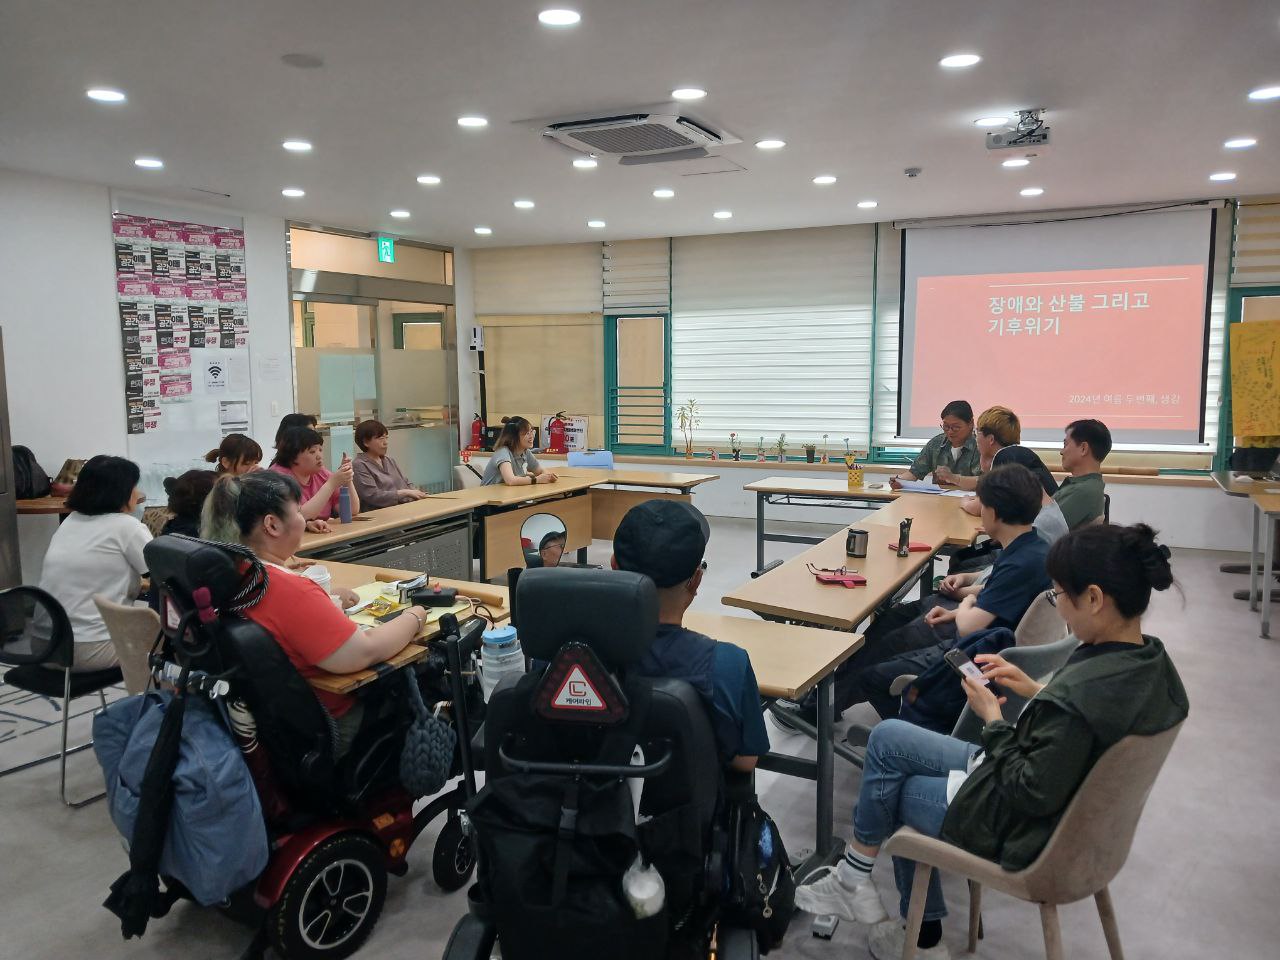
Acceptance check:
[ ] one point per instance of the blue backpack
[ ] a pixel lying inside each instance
(216, 840)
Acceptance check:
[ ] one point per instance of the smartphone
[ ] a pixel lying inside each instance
(959, 661)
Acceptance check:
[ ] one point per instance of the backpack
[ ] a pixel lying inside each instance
(29, 479)
(760, 889)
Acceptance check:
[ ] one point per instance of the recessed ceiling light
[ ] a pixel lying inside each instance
(771, 144)
(559, 18)
(585, 163)
(824, 180)
(484, 231)
(664, 193)
(472, 122)
(523, 204)
(105, 95)
(293, 192)
(303, 61)
(1240, 143)
(596, 224)
(400, 214)
(297, 146)
(688, 93)
(429, 179)
(1031, 191)
(149, 163)
(1265, 93)
(1015, 162)
(723, 214)
(867, 204)
(1223, 175)
(991, 121)
(956, 60)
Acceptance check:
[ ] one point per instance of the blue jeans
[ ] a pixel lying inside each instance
(904, 782)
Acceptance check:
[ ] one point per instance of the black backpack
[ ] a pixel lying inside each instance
(29, 479)
(761, 887)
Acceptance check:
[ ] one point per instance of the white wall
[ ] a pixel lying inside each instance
(62, 337)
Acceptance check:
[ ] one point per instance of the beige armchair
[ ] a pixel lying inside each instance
(1086, 851)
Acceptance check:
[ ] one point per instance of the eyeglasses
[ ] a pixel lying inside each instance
(952, 428)
(1052, 596)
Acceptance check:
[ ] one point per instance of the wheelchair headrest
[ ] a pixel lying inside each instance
(613, 612)
(185, 564)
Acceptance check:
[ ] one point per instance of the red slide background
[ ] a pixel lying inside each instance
(1088, 347)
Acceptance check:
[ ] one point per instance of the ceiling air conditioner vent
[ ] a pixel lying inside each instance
(637, 137)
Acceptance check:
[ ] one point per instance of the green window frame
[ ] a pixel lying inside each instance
(615, 405)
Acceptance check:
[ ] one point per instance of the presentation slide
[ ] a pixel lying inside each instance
(1102, 318)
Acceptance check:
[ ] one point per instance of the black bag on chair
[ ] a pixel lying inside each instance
(761, 888)
(29, 479)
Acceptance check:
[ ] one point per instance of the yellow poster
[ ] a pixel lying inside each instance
(1255, 378)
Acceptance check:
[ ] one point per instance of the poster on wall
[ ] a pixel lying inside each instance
(182, 294)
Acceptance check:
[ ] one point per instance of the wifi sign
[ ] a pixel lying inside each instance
(215, 376)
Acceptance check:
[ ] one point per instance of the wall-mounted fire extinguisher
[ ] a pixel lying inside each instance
(477, 433)
(556, 434)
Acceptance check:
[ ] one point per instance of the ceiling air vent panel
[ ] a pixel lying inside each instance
(634, 135)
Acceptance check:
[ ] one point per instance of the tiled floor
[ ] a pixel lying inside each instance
(1202, 879)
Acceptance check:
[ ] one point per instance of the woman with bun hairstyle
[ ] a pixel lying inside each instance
(236, 454)
(513, 462)
(1002, 800)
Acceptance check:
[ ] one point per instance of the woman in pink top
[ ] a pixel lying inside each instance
(300, 454)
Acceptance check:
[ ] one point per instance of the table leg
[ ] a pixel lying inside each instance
(1268, 578)
(759, 531)
(1256, 518)
(826, 762)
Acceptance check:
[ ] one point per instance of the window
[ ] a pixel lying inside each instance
(772, 334)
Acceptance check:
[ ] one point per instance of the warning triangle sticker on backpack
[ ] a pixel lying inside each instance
(577, 693)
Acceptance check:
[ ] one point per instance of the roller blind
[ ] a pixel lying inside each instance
(559, 279)
(637, 275)
(1257, 245)
(771, 334)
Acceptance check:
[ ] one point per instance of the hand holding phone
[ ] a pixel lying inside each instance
(959, 661)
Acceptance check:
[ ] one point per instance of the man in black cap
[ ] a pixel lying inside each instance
(665, 540)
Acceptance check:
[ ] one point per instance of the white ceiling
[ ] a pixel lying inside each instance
(1140, 93)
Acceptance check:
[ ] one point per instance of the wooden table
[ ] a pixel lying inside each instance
(43, 505)
(638, 478)
(1236, 484)
(352, 575)
(933, 517)
(790, 592)
(788, 662)
(1266, 513)
(832, 492)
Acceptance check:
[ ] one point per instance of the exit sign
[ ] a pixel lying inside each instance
(386, 249)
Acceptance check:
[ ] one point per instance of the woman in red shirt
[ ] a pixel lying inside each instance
(300, 454)
(262, 511)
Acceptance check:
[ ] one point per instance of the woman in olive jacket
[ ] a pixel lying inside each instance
(1002, 800)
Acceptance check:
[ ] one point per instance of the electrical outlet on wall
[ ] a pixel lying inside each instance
(275, 408)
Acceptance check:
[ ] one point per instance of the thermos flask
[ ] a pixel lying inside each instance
(904, 538)
(855, 544)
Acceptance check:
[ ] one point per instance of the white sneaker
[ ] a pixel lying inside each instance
(823, 894)
(886, 939)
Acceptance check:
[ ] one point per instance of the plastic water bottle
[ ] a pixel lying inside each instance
(344, 505)
(500, 655)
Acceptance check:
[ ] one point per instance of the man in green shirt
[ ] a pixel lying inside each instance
(954, 448)
(1085, 444)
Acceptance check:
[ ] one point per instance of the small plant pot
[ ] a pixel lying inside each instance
(810, 453)
(737, 455)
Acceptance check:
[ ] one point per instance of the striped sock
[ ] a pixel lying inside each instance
(854, 868)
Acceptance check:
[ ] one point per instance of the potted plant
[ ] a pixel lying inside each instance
(810, 452)
(781, 447)
(825, 457)
(760, 457)
(736, 446)
(688, 419)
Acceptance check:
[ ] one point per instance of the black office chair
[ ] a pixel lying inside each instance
(37, 640)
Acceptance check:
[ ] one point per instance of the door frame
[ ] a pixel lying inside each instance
(611, 385)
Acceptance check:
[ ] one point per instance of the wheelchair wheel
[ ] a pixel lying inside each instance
(331, 901)
(454, 858)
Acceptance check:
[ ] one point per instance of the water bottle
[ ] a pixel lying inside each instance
(344, 505)
(500, 655)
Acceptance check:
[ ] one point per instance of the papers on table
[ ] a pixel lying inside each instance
(919, 486)
(956, 493)
(368, 591)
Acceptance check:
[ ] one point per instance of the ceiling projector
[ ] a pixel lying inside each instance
(1030, 131)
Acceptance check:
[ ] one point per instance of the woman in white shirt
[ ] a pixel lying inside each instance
(97, 549)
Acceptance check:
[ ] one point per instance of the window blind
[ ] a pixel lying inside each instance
(553, 279)
(637, 275)
(771, 334)
(1257, 245)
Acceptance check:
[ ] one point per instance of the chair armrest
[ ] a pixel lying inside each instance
(900, 683)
